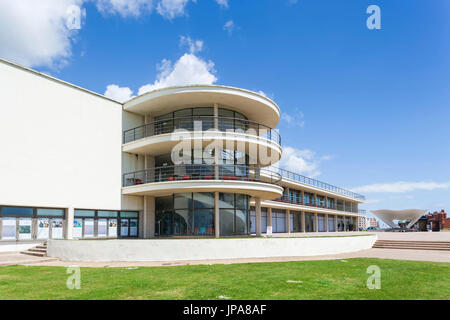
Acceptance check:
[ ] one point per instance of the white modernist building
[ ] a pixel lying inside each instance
(390, 216)
(75, 164)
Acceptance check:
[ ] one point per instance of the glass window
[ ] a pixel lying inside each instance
(84, 213)
(321, 223)
(50, 212)
(203, 111)
(183, 113)
(204, 222)
(9, 228)
(309, 222)
(16, 211)
(180, 201)
(128, 214)
(226, 200)
(107, 214)
(226, 113)
(203, 200)
(226, 219)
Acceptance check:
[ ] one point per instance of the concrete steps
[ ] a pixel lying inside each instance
(413, 245)
(37, 251)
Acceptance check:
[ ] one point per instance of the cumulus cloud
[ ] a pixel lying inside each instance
(120, 94)
(229, 26)
(301, 161)
(189, 69)
(39, 33)
(401, 187)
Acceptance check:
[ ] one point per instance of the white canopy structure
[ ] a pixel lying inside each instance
(388, 216)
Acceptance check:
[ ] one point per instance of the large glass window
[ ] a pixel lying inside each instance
(185, 214)
(16, 211)
(309, 222)
(340, 220)
(296, 221)
(278, 221)
(264, 218)
(234, 217)
(321, 223)
(331, 227)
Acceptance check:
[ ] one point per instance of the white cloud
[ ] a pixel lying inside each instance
(39, 33)
(223, 3)
(303, 162)
(170, 9)
(401, 187)
(189, 69)
(120, 94)
(294, 120)
(229, 26)
(125, 8)
(193, 45)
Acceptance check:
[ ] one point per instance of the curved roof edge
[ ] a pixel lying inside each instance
(206, 86)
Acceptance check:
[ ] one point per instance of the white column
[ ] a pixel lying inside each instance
(316, 227)
(216, 215)
(69, 225)
(288, 221)
(326, 222)
(258, 216)
(149, 217)
(269, 219)
(303, 221)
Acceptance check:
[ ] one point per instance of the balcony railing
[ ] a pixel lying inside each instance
(316, 183)
(318, 204)
(202, 123)
(201, 172)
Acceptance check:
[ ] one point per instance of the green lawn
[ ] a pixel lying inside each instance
(331, 279)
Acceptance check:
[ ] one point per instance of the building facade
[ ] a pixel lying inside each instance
(192, 161)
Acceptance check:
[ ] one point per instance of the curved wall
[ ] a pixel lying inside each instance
(203, 249)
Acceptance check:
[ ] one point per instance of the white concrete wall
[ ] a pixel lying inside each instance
(59, 146)
(203, 249)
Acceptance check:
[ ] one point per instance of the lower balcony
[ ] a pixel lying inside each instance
(254, 181)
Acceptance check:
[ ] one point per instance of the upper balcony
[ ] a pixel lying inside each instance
(254, 106)
(254, 181)
(294, 179)
(161, 136)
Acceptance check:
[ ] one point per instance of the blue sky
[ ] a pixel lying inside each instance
(363, 109)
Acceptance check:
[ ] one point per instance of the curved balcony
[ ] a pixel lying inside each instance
(250, 180)
(204, 123)
(161, 136)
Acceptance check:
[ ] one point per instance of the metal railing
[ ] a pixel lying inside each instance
(201, 172)
(204, 123)
(318, 204)
(316, 183)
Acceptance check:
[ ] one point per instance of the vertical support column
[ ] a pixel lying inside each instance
(326, 204)
(269, 220)
(315, 199)
(149, 217)
(316, 227)
(326, 222)
(216, 215)
(303, 220)
(69, 222)
(335, 224)
(345, 221)
(288, 196)
(258, 216)
(302, 194)
(288, 221)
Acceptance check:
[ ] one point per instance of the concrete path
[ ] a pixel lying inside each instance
(13, 258)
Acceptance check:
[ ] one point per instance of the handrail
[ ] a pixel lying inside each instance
(208, 122)
(316, 183)
(318, 205)
(201, 172)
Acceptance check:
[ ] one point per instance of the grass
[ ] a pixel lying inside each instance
(326, 279)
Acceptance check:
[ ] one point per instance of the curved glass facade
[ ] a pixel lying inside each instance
(192, 214)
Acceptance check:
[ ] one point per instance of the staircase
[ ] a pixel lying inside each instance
(413, 245)
(37, 251)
